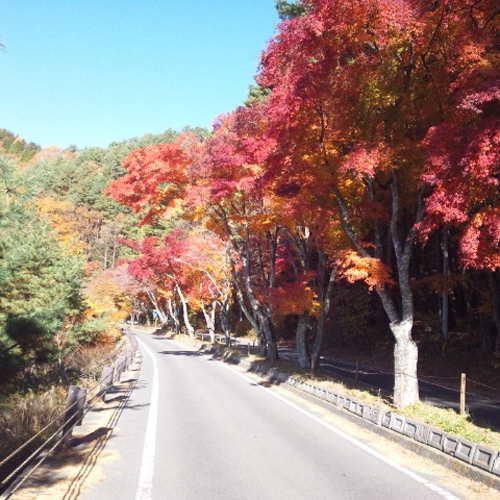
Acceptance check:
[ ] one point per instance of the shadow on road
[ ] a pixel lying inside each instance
(181, 353)
(264, 383)
(127, 407)
(97, 434)
(118, 398)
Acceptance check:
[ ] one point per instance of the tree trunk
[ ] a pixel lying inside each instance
(405, 349)
(260, 317)
(405, 365)
(485, 335)
(251, 316)
(174, 315)
(445, 306)
(224, 318)
(495, 306)
(105, 258)
(301, 340)
(318, 344)
(325, 296)
(400, 318)
(468, 288)
(267, 329)
(161, 313)
(114, 253)
(185, 312)
(163, 316)
(209, 316)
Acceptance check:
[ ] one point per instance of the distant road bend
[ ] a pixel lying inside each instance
(481, 408)
(196, 429)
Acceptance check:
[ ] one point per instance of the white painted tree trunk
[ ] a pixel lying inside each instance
(400, 315)
(209, 315)
(405, 365)
(185, 312)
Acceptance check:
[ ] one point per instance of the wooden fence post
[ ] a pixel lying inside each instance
(75, 403)
(462, 393)
(106, 380)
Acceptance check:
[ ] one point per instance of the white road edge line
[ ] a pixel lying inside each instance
(440, 491)
(145, 484)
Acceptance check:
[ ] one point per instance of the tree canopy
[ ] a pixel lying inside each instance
(371, 129)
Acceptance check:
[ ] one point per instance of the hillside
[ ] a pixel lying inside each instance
(13, 146)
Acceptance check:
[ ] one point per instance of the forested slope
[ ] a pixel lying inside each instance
(59, 234)
(350, 204)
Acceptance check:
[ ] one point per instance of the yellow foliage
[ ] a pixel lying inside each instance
(102, 295)
(61, 218)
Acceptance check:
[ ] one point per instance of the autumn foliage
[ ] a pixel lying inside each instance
(377, 126)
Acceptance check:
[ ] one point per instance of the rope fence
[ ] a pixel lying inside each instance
(461, 381)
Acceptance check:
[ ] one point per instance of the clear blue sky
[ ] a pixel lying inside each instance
(90, 72)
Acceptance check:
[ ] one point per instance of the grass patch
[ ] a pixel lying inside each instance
(23, 416)
(86, 364)
(452, 423)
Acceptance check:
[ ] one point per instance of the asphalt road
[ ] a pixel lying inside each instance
(196, 429)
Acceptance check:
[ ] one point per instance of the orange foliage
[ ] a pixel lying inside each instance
(291, 298)
(353, 267)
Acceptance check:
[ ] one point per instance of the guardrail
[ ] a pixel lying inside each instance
(79, 402)
(478, 455)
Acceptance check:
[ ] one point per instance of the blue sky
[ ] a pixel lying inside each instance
(91, 72)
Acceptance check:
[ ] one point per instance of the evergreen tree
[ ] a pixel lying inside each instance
(39, 283)
(288, 10)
